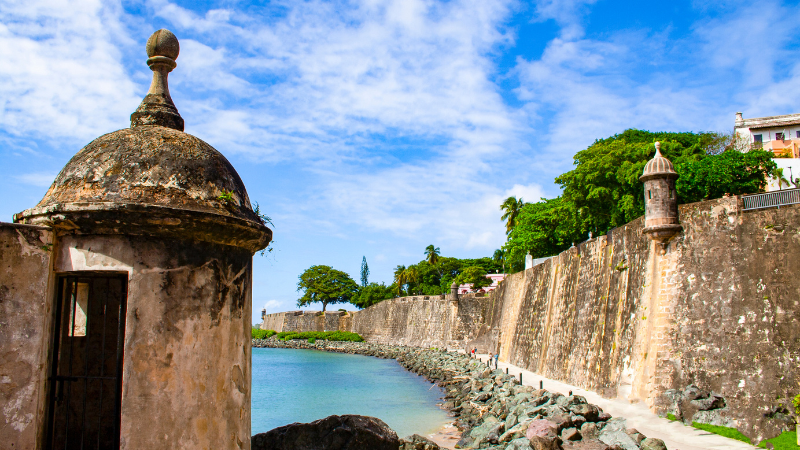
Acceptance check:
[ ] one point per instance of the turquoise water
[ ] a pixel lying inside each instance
(306, 385)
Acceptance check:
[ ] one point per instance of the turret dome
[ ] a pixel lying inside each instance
(153, 176)
(658, 167)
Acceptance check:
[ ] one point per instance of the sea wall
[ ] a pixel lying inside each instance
(424, 321)
(307, 321)
(718, 309)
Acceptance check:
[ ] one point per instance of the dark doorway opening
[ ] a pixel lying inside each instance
(86, 369)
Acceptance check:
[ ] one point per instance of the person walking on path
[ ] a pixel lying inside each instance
(496, 355)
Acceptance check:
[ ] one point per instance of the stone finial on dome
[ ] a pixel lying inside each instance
(659, 166)
(157, 107)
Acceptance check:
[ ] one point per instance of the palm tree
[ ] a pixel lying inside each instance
(511, 208)
(432, 254)
(400, 277)
(778, 175)
(411, 275)
(500, 257)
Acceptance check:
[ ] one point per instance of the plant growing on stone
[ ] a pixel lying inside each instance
(265, 219)
(226, 197)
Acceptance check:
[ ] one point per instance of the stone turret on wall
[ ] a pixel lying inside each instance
(453, 295)
(660, 199)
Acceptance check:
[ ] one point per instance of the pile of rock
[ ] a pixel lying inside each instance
(494, 411)
(693, 404)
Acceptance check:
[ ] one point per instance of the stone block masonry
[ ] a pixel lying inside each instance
(306, 321)
(719, 309)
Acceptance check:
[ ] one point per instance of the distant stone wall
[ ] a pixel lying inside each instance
(306, 321)
(719, 309)
(423, 321)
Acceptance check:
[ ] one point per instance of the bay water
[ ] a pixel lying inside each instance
(305, 385)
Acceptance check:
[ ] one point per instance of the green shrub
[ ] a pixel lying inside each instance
(323, 335)
(311, 340)
(671, 417)
(786, 441)
(258, 333)
(731, 433)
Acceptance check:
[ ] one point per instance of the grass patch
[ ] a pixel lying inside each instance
(671, 417)
(786, 441)
(258, 333)
(731, 433)
(322, 335)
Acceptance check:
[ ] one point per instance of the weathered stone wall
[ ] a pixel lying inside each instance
(733, 325)
(718, 309)
(275, 321)
(307, 321)
(25, 321)
(424, 321)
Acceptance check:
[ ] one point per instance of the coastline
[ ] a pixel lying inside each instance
(490, 408)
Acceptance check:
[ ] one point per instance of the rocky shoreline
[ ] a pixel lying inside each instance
(492, 409)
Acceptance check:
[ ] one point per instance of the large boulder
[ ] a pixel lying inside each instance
(653, 444)
(719, 417)
(543, 435)
(417, 442)
(347, 432)
(614, 433)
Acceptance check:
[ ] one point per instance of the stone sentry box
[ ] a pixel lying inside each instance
(145, 239)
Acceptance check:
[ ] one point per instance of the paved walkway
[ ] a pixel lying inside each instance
(676, 435)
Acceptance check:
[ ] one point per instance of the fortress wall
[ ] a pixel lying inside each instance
(274, 321)
(733, 327)
(571, 317)
(306, 321)
(424, 321)
(719, 309)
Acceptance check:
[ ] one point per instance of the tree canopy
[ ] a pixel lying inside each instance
(603, 190)
(326, 285)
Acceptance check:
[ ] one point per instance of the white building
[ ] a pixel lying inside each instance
(780, 134)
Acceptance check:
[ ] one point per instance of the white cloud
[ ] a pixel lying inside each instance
(39, 179)
(62, 69)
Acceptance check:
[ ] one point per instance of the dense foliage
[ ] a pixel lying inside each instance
(326, 285)
(258, 333)
(603, 191)
(372, 293)
(425, 278)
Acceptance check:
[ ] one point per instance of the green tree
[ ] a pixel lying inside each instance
(364, 272)
(399, 278)
(432, 254)
(326, 285)
(511, 207)
(499, 256)
(603, 190)
(545, 228)
(475, 276)
(373, 293)
(730, 172)
(604, 187)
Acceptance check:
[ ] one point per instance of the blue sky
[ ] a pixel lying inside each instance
(375, 128)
